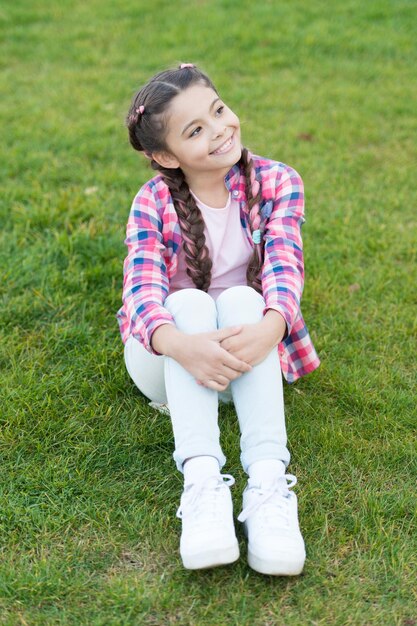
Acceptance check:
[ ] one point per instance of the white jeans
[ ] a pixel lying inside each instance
(257, 395)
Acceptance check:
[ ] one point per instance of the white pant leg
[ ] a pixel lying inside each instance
(193, 408)
(146, 370)
(258, 394)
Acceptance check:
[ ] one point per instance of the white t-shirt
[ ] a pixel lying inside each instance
(228, 246)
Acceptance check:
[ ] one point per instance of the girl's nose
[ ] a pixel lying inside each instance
(218, 130)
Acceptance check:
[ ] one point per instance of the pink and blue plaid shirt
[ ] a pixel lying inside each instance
(153, 239)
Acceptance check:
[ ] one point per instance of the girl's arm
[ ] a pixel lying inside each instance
(283, 268)
(282, 274)
(145, 280)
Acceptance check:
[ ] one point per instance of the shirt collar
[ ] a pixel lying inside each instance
(233, 181)
(232, 177)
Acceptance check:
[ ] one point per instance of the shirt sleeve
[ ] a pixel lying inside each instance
(145, 279)
(283, 268)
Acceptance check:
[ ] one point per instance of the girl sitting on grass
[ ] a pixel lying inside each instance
(211, 311)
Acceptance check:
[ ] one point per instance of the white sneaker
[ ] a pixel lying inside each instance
(162, 408)
(208, 534)
(275, 543)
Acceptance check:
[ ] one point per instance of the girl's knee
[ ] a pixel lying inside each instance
(240, 305)
(192, 309)
(239, 294)
(188, 298)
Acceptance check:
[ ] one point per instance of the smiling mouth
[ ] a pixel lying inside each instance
(224, 147)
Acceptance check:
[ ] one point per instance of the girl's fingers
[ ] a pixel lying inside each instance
(219, 382)
(216, 385)
(224, 333)
(231, 374)
(236, 364)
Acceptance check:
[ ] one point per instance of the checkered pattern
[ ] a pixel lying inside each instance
(153, 241)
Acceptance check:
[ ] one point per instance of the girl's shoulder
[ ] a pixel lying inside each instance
(273, 172)
(155, 186)
(279, 183)
(154, 193)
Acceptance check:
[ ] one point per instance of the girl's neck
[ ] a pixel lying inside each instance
(216, 199)
(211, 190)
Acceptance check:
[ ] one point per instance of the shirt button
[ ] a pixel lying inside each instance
(235, 193)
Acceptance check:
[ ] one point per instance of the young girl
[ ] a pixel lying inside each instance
(211, 311)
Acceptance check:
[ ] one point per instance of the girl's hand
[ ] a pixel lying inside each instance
(253, 344)
(211, 365)
(202, 355)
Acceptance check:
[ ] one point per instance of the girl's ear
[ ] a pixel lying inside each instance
(166, 159)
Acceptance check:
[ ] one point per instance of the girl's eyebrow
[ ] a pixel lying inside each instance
(195, 121)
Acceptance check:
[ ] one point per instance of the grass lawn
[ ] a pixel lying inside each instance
(88, 487)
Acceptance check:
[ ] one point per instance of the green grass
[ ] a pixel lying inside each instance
(88, 488)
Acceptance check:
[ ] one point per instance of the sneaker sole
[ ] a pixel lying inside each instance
(283, 567)
(211, 558)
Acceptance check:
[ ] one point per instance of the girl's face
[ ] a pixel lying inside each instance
(203, 133)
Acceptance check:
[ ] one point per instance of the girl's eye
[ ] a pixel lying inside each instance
(220, 110)
(195, 131)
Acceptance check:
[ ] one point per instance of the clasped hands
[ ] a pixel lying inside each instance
(218, 357)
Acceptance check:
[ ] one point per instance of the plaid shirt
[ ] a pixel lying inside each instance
(154, 239)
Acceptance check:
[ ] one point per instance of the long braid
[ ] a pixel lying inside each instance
(253, 195)
(191, 221)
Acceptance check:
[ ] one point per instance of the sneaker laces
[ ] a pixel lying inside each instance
(274, 496)
(199, 499)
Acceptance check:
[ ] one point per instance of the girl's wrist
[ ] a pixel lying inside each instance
(274, 325)
(165, 339)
